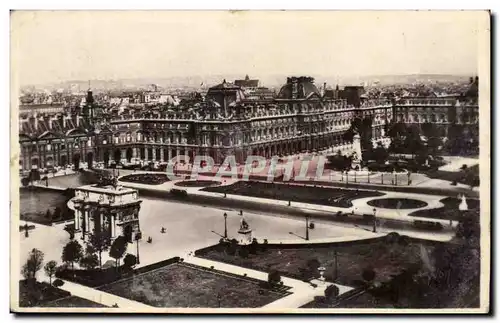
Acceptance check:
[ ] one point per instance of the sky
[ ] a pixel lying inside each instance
(53, 46)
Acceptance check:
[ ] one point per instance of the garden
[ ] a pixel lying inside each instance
(185, 285)
(396, 270)
(450, 210)
(296, 193)
(466, 175)
(72, 301)
(145, 178)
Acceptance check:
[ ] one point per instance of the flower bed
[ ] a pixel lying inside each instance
(196, 183)
(147, 178)
(397, 203)
(450, 210)
(288, 192)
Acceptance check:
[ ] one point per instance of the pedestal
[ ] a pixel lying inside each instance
(245, 236)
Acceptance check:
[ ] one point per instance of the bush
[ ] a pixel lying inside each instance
(130, 260)
(25, 181)
(311, 225)
(392, 237)
(243, 252)
(57, 283)
(274, 277)
(331, 293)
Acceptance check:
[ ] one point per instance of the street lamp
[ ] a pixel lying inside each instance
(225, 225)
(307, 227)
(374, 220)
(138, 237)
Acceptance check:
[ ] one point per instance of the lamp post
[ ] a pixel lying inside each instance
(219, 298)
(374, 220)
(307, 227)
(138, 237)
(225, 225)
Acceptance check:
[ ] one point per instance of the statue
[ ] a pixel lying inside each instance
(245, 233)
(463, 204)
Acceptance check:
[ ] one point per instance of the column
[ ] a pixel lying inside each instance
(134, 152)
(154, 153)
(77, 219)
(112, 225)
(162, 155)
(177, 154)
(169, 154)
(88, 224)
(145, 153)
(101, 220)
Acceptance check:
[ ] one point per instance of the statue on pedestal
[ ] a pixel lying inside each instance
(463, 204)
(245, 233)
(356, 154)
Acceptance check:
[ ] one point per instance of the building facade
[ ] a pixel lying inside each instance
(226, 121)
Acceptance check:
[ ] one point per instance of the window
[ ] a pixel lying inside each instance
(49, 147)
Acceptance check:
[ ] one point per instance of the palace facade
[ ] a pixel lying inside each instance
(228, 121)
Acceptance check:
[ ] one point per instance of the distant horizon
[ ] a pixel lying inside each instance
(231, 78)
(62, 46)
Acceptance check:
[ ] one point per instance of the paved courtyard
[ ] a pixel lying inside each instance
(188, 227)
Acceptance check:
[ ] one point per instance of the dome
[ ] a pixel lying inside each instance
(298, 87)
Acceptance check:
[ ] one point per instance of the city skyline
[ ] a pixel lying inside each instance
(63, 46)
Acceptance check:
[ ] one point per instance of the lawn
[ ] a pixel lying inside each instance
(450, 210)
(72, 301)
(149, 179)
(468, 176)
(184, 285)
(32, 293)
(288, 192)
(409, 273)
(344, 262)
(363, 300)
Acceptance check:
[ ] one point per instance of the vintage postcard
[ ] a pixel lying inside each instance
(250, 161)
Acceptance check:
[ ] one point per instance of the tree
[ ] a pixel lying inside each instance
(130, 260)
(72, 252)
(33, 264)
(99, 241)
(89, 261)
(50, 269)
(118, 249)
(368, 275)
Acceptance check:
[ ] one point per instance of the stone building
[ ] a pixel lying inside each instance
(226, 121)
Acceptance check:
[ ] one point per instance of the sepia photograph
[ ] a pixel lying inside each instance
(250, 161)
